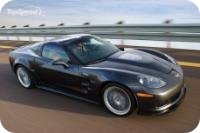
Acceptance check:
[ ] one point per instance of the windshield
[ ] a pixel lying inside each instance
(90, 49)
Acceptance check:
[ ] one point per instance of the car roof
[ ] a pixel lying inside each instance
(61, 39)
(68, 37)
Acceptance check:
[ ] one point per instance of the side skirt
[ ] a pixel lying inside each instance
(67, 94)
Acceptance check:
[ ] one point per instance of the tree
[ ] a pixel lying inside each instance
(61, 24)
(168, 21)
(26, 25)
(86, 23)
(3, 26)
(14, 26)
(120, 22)
(42, 25)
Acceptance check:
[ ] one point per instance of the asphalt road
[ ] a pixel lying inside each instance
(38, 111)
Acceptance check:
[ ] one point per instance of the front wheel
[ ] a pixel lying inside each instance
(24, 77)
(118, 100)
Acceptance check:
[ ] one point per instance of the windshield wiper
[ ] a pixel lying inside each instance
(103, 59)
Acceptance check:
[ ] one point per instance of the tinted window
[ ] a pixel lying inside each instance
(54, 52)
(91, 49)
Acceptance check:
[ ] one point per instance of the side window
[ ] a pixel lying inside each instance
(54, 52)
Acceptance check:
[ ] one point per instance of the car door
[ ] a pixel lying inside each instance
(55, 75)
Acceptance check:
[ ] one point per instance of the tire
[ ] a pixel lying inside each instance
(24, 77)
(118, 100)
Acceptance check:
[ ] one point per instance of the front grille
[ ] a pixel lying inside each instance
(170, 100)
(173, 98)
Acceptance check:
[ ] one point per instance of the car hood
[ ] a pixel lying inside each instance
(135, 60)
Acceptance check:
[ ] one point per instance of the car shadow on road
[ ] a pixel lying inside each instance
(11, 91)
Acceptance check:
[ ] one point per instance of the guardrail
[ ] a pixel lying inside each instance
(162, 32)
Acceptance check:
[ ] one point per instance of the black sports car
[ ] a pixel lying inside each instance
(89, 68)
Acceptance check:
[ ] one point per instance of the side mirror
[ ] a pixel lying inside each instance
(61, 63)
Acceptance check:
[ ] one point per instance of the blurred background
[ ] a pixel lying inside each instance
(76, 12)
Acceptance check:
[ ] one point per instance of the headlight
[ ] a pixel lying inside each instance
(151, 82)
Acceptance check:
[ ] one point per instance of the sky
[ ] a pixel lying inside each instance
(76, 12)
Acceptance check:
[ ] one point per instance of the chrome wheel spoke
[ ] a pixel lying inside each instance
(23, 77)
(117, 100)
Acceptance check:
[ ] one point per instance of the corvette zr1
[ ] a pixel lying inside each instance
(92, 69)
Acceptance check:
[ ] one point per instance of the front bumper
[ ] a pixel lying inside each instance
(161, 104)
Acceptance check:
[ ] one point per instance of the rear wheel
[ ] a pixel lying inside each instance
(24, 77)
(118, 100)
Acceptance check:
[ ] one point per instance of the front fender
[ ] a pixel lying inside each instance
(126, 78)
(24, 61)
